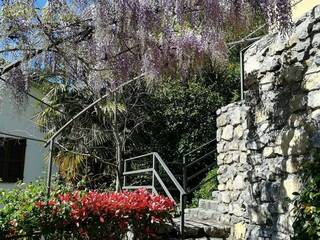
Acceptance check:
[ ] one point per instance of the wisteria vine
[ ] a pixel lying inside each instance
(163, 38)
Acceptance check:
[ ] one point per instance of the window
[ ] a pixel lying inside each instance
(12, 154)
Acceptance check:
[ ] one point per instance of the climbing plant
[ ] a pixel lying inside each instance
(307, 204)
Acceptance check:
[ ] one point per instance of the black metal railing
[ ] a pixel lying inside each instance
(200, 162)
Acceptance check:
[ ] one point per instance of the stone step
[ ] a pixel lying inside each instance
(201, 214)
(215, 195)
(208, 204)
(197, 229)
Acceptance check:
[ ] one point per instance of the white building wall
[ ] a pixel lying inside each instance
(19, 120)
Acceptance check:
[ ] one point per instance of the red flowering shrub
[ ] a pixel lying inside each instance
(94, 215)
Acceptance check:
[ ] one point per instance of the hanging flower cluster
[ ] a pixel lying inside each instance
(94, 215)
(102, 40)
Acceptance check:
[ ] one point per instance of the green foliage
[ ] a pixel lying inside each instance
(210, 183)
(70, 214)
(88, 140)
(17, 206)
(307, 222)
(181, 115)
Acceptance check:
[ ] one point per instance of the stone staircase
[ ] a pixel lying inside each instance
(205, 221)
(202, 223)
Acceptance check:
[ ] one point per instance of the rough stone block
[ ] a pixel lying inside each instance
(220, 158)
(221, 147)
(291, 185)
(238, 132)
(302, 56)
(302, 45)
(239, 183)
(243, 146)
(292, 165)
(270, 191)
(316, 40)
(221, 187)
(266, 87)
(298, 102)
(243, 158)
(261, 116)
(235, 116)
(268, 152)
(293, 40)
(227, 133)
(316, 13)
(222, 120)
(312, 79)
(252, 65)
(299, 142)
(315, 115)
(222, 169)
(294, 73)
(284, 224)
(235, 157)
(218, 135)
(314, 99)
(234, 146)
(270, 64)
(303, 30)
(296, 120)
(268, 78)
(215, 195)
(229, 185)
(240, 230)
(283, 141)
(258, 215)
(316, 27)
(225, 197)
(238, 210)
(222, 179)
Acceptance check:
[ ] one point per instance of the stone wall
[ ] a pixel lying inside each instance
(233, 128)
(263, 140)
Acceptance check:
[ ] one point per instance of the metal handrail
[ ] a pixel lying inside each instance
(187, 164)
(156, 177)
(199, 159)
(196, 149)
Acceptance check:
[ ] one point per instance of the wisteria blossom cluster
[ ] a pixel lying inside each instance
(175, 38)
(95, 41)
(94, 215)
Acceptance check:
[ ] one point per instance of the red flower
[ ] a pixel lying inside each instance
(137, 211)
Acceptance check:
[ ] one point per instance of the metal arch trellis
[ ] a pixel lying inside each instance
(51, 141)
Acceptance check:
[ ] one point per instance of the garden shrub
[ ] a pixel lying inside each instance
(82, 214)
(205, 191)
(307, 204)
(94, 215)
(16, 208)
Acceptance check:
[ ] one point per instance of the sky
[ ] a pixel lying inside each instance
(39, 3)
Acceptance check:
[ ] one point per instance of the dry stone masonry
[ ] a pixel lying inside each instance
(263, 140)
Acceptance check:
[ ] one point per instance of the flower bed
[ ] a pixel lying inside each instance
(94, 215)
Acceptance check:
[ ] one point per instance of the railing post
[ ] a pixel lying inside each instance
(124, 176)
(184, 174)
(49, 173)
(154, 169)
(182, 196)
(182, 220)
(241, 75)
